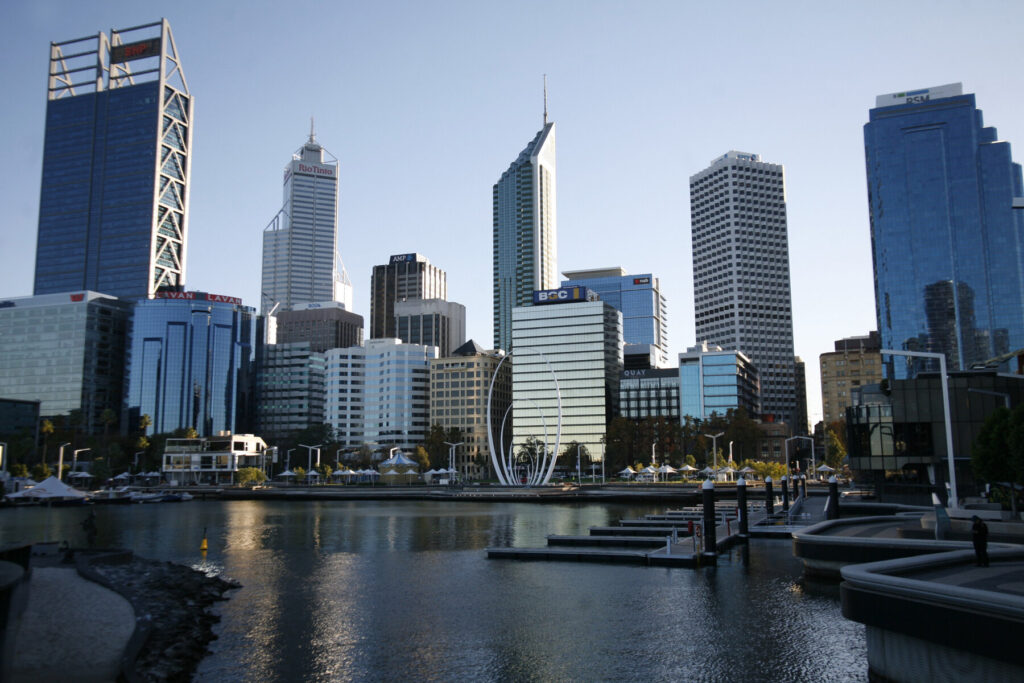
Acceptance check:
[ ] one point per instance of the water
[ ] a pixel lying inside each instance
(359, 591)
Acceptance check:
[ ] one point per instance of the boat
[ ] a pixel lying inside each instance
(118, 496)
(147, 496)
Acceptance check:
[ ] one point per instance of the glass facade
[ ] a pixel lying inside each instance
(431, 322)
(525, 232)
(290, 389)
(649, 393)
(638, 298)
(113, 201)
(66, 351)
(191, 364)
(741, 271)
(713, 381)
(582, 344)
(947, 246)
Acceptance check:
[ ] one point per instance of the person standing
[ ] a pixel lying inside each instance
(979, 536)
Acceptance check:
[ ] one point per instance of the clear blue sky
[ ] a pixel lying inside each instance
(426, 103)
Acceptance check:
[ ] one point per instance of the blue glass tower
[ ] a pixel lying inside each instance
(947, 245)
(191, 363)
(113, 204)
(637, 297)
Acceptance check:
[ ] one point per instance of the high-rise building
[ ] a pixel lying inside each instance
(800, 416)
(741, 271)
(637, 297)
(578, 344)
(323, 326)
(855, 362)
(379, 393)
(403, 278)
(191, 364)
(66, 352)
(459, 388)
(113, 206)
(289, 389)
(947, 245)
(713, 380)
(301, 258)
(431, 322)
(525, 231)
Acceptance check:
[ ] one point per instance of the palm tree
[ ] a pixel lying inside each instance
(46, 428)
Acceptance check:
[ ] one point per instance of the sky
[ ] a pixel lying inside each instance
(425, 104)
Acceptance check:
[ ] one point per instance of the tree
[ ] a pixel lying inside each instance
(46, 429)
(145, 422)
(570, 452)
(422, 458)
(300, 473)
(996, 456)
(108, 417)
(41, 471)
(100, 469)
(835, 449)
(19, 469)
(621, 443)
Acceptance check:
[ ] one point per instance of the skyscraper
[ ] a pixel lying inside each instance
(741, 270)
(301, 260)
(947, 246)
(113, 206)
(525, 231)
(637, 297)
(404, 277)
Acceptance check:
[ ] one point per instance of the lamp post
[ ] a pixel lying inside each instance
(1006, 396)
(3, 456)
(714, 449)
(953, 498)
(74, 456)
(579, 476)
(794, 438)
(451, 454)
(135, 459)
(309, 451)
(288, 458)
(60, 462)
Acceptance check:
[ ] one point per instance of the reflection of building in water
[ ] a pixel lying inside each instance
(946, 241)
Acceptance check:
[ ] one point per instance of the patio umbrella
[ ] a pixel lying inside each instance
(287, 473)
(123, 476)
(628, 472)
(687, 468)
(826, 468)
(707, 470)
(667, 469)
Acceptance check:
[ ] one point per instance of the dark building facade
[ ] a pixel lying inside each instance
(645, 393)
(113, 207)
(404, 277)
(322, 325)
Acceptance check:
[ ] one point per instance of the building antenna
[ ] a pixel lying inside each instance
(545, 99)
(312, 131)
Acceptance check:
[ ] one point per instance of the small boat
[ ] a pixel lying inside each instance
(147, 497)
(118, 496)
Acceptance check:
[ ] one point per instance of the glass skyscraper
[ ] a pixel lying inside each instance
(301, 259)
(191, 363)
(525, 231)
(113, 206)
(947, 246)
(741, 271)
(715, 381)
(637, 297)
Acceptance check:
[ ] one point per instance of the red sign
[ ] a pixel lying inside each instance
(201, 296)
(78, 297)
(139, 50)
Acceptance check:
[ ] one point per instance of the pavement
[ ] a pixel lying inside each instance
(72, 629)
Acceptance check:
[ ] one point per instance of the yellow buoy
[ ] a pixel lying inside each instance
(203, 545)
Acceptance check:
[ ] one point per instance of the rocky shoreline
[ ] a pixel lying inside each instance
(174, 624)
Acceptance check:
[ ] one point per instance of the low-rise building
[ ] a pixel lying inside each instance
(212, 460)
(713, 380)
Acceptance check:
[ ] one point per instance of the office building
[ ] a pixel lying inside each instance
(405, 277)
(325, 325)
(854, 363)
(66, 352)
(741, 271)
(431, 322)
(113, 206)
(947, 245)
(459, 386)
(637, 297)
(577, 343)
(713, 380)
(214, 460)
(289, 389)
(649, 393)
(379, 393)
(525, 231)
(301, 258)
(800, 415)
(191, 364)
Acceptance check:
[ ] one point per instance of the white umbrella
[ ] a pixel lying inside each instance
(287, 473)
(628, 472)
(667, 469)
(707, 470)
(649, 470)
(123, 476)
(391, 473)
(688, 468)
(747, 470)
(51, 488)
(79, 475)
(412, 472)
(826, 468)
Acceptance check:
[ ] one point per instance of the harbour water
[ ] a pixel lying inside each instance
(368, 591)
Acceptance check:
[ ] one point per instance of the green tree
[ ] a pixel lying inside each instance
(835, 449)
(19, 469)
(41, 471)
(300, 473)
(250, 475)
(100, 469)
(690, 460)
(46, 428)
(996, 454)
(621, 441)
(437, 451)
(145, 422)
(422, 458)
(570, 452)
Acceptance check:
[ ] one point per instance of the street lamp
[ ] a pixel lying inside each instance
(953, 499)
(579, 475)
(451, 455)
(1006, 396)
(60, 462)
(793, 438)
(3, 456)
(309, 462)
(136, 459)
(74, 462)
(714, 449)
(288, 458)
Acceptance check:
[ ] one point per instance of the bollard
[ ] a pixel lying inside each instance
(785, 493)
(833, 498)
(741, 504)
(708, 492)
(769, 497)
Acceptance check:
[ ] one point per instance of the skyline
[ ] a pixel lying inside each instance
(425, 106)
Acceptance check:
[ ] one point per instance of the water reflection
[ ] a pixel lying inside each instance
(403, 590)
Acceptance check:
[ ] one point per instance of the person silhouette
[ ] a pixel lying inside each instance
(979, 536)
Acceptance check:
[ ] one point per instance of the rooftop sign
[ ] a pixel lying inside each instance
(559, 296)
(919, 96)
(199, 296)
(138, 50)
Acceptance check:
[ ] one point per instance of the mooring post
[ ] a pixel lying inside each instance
(741, 504)
(710, 542)
(833, 498)
(785, 493)
(769, 497)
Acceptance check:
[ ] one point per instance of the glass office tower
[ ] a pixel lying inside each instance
(113, 206)
(947, 245)
(637, 297)
(191, 363)
(525, 231)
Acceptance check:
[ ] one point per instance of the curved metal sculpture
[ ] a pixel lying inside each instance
(538, 469)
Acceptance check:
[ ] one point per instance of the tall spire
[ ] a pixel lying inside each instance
(312, 131)
(545, 99)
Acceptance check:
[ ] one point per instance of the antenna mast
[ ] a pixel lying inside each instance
(545, 99)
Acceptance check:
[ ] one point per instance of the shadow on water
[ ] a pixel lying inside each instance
(356, 591)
